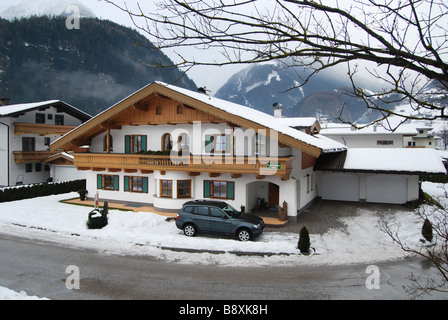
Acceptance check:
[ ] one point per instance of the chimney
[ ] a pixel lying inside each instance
(5, 102)
(277, 110)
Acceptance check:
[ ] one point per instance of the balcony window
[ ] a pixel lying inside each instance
(218, 144)
(167, 142)
(135, 143)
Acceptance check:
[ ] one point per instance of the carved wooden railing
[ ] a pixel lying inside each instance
(260, 166)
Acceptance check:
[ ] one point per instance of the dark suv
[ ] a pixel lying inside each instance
(217, 217)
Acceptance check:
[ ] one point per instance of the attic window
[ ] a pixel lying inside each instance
(158, 110)
(180, 109)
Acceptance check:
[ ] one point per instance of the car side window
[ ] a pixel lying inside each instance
(189, 209)
(202, 211)
(217, 213)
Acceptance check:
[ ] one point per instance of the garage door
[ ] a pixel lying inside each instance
(387, 189)
(338, 186)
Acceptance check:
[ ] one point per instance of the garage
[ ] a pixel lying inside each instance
(387, 189)
(340, 186)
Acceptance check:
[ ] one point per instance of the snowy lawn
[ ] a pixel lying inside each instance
(129, 233)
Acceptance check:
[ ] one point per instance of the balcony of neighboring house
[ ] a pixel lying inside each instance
(193, 165)
(41, 129)
(32, 156)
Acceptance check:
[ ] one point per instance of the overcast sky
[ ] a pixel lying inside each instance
(211, 77)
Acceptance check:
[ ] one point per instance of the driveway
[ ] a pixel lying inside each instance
(324, 215)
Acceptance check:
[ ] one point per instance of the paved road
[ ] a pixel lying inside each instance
(40, 269)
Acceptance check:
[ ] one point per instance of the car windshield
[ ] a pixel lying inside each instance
(231, 211)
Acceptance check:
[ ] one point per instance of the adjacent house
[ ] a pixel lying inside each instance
(26, 132)
(407, 135)
(164, 145)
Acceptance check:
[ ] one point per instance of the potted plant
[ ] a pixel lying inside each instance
(82, 194)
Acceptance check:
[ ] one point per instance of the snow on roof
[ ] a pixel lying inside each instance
(15, 108)
(297, 122)
(326, 145)
(347, 129)
(394, 159)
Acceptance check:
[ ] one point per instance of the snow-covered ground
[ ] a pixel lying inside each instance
(148, 234)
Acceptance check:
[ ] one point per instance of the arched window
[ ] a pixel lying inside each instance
(158, 110)
(180, 109)
(167, 142)
(184, 142)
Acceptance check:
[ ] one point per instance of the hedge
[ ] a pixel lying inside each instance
(40, 190)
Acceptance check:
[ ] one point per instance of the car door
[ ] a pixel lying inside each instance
(220, 222)
(201, 218)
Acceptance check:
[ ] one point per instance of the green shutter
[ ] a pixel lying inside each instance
(116, 183)
(231, 190)
(228, 143)
(208, 143)
(127, 144)
(145, 185)
(144, 144)
(99, 179)
(126, 184)
(207, 189)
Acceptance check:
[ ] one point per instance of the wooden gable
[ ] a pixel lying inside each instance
(157, 109)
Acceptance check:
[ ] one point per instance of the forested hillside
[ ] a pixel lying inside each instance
(90, 68)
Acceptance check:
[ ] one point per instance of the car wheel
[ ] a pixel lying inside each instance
(244, 235)
(189, 230)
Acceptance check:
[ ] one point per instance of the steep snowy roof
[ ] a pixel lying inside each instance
(17, 109)
(326, 145)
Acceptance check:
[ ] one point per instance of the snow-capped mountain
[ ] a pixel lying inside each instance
(25, 8)
(324, 96)
(261, 85)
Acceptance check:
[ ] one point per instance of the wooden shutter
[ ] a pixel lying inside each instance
(116, 183)
(208, 143)
(145, 185)
(144, 143)
(127, 144)
(99, 179)
(228, 143)
(126, 184)
(207, 191)
(231, 190)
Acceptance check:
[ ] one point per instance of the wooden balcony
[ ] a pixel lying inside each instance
(193, 165)
(41, 129)
(32, 156)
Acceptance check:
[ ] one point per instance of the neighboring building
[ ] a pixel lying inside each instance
(165, 145)
(26, 132)
(408, 135)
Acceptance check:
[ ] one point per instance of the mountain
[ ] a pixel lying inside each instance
(90, 68)
(261, 85)
(51, 8)
(325, 95)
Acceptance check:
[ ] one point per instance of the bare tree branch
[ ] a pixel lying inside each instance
(408, 37)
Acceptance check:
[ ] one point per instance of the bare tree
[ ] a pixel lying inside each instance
(402, 42)
(434, 250)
